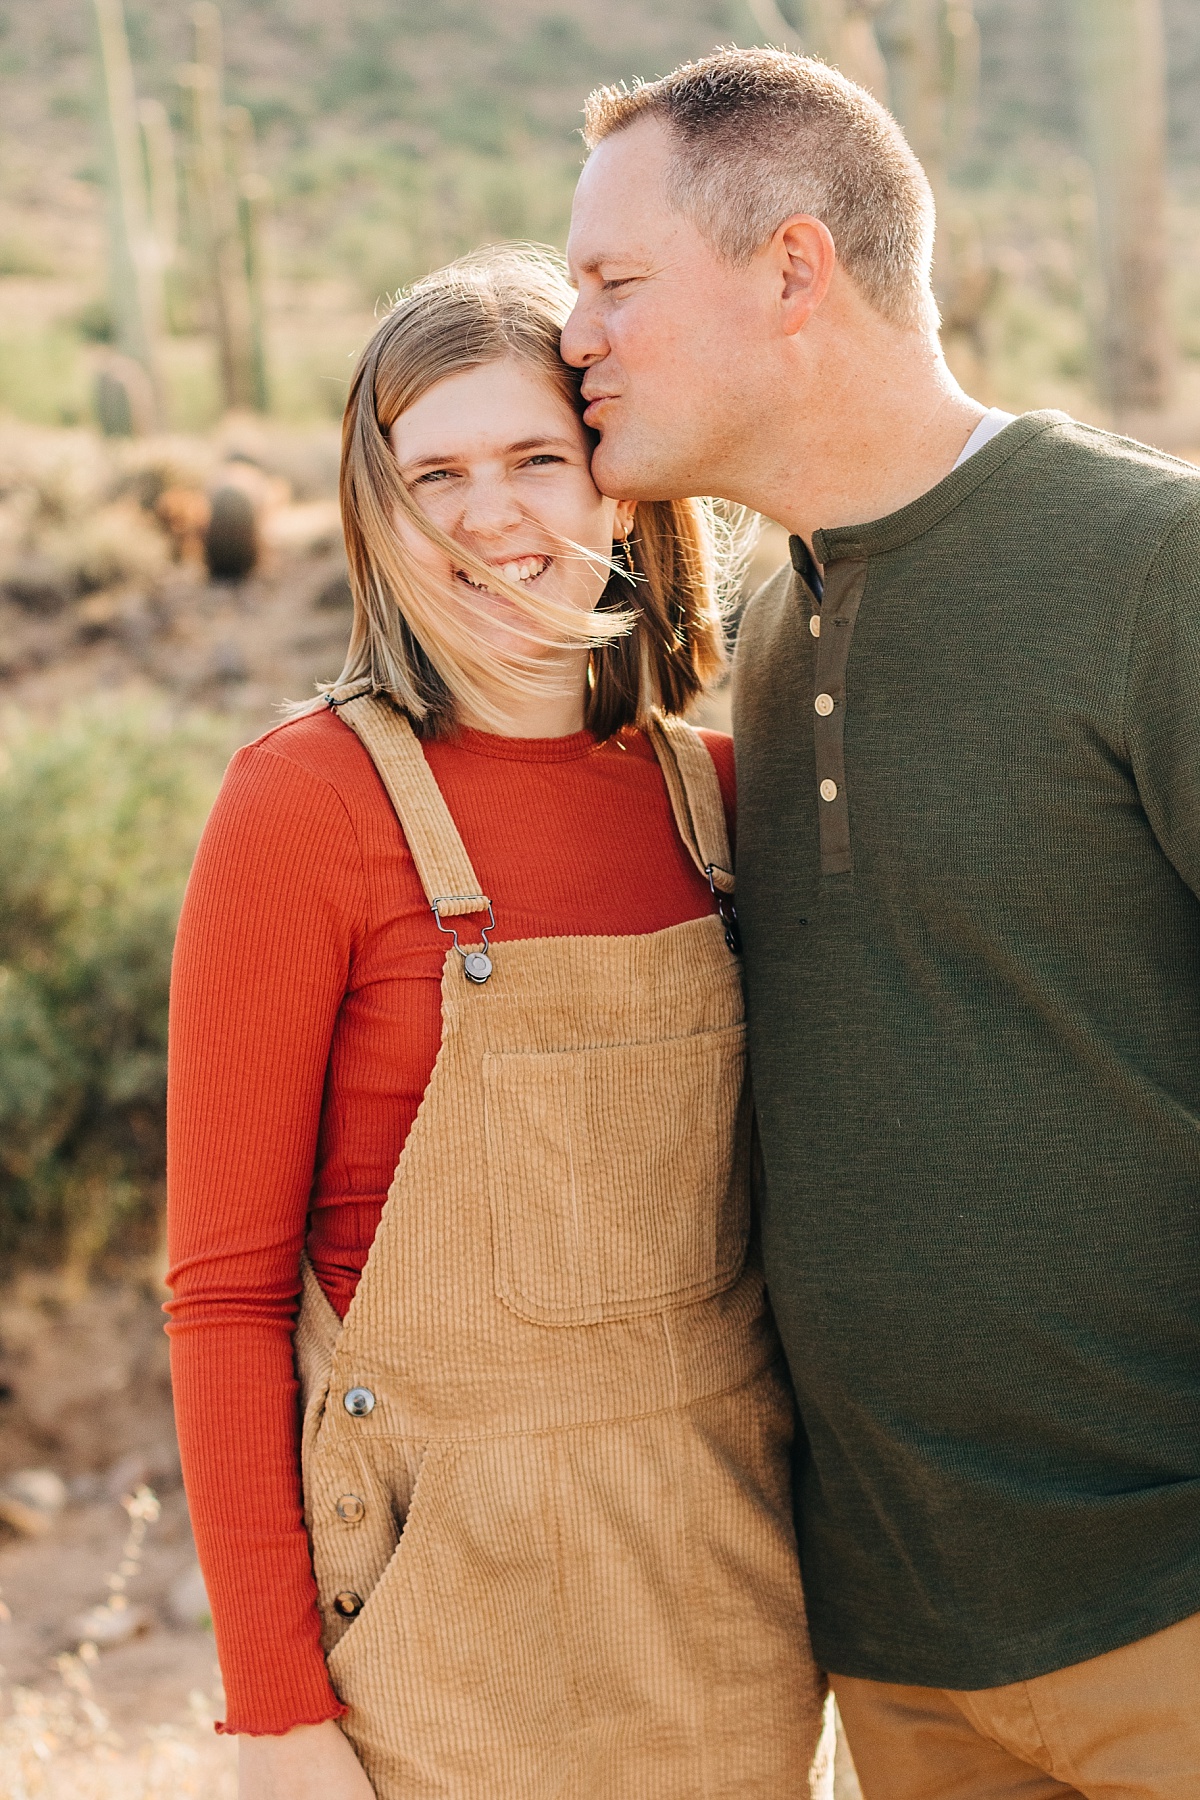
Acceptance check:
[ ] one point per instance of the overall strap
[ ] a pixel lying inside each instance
(695, 793)
(451, 884)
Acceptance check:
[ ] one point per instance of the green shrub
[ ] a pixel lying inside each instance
(99, 816)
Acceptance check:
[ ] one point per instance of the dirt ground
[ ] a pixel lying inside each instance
(84, 1393)
(228, 647)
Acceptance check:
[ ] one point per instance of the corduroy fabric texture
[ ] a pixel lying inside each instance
(566, 1510)
(436, 848)
(975, 1044)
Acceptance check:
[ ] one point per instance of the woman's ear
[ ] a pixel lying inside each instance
(623, 522)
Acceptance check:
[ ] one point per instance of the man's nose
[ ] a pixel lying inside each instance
(583, 340)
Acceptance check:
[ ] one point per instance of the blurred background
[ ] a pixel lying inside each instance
(202, 212)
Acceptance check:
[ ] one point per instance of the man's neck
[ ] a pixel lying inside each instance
(887, 422)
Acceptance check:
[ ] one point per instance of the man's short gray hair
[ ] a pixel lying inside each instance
(763, 134)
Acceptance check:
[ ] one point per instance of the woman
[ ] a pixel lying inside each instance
(457, 929)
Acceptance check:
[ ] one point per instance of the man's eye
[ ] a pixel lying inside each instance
(543, 456)
(432, 475)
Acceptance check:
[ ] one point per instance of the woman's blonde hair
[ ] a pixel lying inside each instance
(656, 636)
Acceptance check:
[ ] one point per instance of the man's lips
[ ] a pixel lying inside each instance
(594, 403)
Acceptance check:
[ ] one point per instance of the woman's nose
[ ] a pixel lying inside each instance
(490, 507)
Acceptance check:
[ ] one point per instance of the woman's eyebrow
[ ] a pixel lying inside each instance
(521, 444)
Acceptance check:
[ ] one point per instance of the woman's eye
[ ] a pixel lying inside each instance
(541, 459)
(433, 475)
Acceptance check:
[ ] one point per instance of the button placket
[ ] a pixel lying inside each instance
(844, 585)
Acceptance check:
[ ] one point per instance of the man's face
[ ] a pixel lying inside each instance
(675, 341)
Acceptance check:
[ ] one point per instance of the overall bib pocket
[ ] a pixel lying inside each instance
(617, 1176)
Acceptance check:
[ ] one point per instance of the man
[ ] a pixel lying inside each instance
(968, 733)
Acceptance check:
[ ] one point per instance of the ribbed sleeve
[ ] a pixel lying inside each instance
(261, 965)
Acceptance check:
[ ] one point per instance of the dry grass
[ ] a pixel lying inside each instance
(60, 1743)
(61, 1746)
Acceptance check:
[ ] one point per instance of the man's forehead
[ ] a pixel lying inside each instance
(620, 211)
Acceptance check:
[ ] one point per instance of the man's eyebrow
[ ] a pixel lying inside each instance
(513, 449)
(591, 265)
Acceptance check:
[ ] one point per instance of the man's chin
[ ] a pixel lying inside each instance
(624, 472)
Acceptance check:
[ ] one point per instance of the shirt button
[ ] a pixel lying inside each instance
(359, 1402)
(350, 1508)
(348, 1604)
(828, 790)
(824, 704)
(814, 624)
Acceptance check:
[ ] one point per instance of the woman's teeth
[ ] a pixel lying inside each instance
(524, 568)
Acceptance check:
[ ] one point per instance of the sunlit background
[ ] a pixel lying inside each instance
(202, 212)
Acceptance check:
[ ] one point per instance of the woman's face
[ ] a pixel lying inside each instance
(499, 460)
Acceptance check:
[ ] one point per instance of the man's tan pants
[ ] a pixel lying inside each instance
(1124, 1726)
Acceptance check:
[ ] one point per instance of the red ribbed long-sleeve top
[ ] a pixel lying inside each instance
(306, 1016)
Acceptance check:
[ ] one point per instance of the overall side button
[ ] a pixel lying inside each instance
(359, 1402)
(350, 1509)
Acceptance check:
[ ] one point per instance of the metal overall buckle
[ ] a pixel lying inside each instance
(477, 964)
(726, 909)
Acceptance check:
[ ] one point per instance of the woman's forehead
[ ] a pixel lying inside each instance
(483, 411)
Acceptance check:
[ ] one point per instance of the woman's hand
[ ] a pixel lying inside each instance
(310, 1762)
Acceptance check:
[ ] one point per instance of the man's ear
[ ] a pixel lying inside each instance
(805, 258)
(623, 523)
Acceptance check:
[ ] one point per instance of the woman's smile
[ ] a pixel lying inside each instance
(525, 569)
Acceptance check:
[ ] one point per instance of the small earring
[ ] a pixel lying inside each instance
(630, 569)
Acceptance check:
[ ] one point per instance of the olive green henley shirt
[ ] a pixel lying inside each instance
(968, 868)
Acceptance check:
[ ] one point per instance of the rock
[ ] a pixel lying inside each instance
(187, 1602)
(31, 1499)
(106, 1626)
(39, 584)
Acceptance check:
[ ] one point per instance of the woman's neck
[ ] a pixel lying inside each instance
(542, 715)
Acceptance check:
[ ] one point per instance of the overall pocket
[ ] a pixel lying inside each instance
(361, 1516)
(617, 1177)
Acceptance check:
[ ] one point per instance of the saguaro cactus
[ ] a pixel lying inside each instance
(843, 32)
(163, 191)
(838, 31)
(1122, 65)
(226, 219)
(135, 262)
(252, 195)
(932, 52)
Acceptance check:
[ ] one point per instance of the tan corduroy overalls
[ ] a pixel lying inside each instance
(546, 1453)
